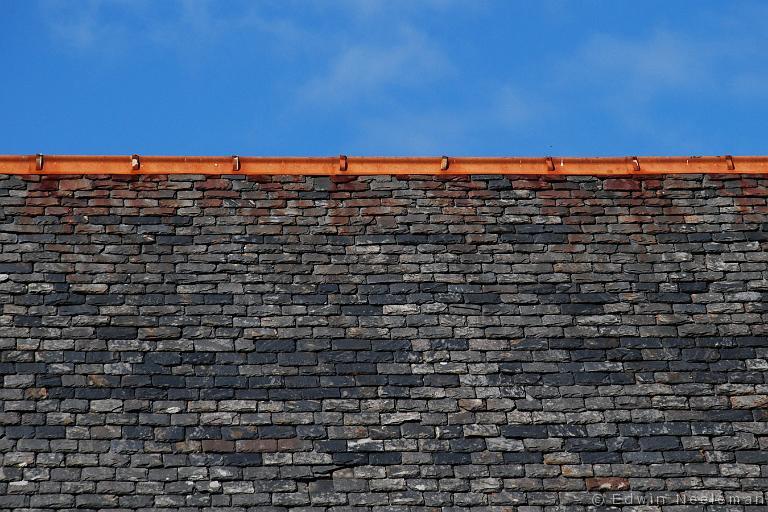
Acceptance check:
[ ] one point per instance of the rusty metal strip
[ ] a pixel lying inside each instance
(605, 166)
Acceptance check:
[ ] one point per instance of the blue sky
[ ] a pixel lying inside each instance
(384, 77)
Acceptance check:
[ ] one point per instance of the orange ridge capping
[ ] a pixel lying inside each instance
(365, 165)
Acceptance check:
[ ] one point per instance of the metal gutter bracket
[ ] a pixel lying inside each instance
(550, 164)
(39, 162)
(729, 162)
(135, 162)
(343, 164)
(444, 163)
(235, 163)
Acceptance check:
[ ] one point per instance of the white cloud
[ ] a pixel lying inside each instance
(364, 71)
(83, 25)
(411, 133)
(664, 61)
(512, 107)
(184, 26)
(638, 70)
(394, 8)
(503, 112)
(624, 80)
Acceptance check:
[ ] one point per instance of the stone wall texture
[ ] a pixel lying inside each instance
(428, 343)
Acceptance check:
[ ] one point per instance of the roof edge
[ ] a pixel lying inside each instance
(366, 165)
